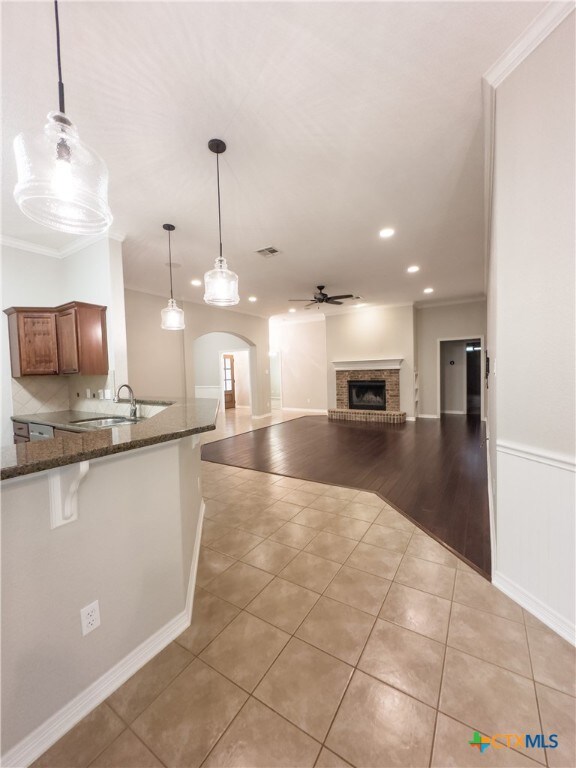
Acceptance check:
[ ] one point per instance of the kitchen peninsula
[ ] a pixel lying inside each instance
(108, 515)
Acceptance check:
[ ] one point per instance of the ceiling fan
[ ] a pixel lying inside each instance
(322, 298)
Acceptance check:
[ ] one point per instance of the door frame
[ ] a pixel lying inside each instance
(233, 378)
(439, 370)
(233, 352)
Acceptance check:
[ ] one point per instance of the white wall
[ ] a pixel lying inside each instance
(161, 362)
(131, 548)
(242, 376)
(450, 321)
(207, 353)
(301, 347)
(532, 283)
(453, 377)
(92, 274)
(373, 333)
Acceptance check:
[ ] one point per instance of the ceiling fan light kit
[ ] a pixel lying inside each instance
(172, 317)
(62, 182)
(220, 283)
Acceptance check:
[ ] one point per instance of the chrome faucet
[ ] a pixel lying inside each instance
(133, 406)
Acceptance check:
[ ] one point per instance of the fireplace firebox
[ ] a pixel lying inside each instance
(367, 395)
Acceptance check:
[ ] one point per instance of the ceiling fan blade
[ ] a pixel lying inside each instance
(312, 303)
(344, 296)
(331, 301)
(299, 299)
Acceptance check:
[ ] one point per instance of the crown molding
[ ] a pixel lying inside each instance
(23, 245)
(58, 253)
(451, 302)
(545, 23)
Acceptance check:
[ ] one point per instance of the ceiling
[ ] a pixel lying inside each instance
(340, 119)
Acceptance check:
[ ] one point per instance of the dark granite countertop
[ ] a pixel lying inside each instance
(64, 419)
(182, 418)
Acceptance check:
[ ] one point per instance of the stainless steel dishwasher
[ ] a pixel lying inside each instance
(40, 432)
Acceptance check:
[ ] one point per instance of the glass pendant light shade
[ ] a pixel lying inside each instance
(172, 317)
(62, 183)
(221, 285)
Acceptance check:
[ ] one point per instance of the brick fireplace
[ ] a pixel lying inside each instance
(392, 379)
(386, 371)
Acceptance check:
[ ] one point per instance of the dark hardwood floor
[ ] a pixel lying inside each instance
(434, 471)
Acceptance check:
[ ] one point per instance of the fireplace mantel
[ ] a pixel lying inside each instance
(368, 365)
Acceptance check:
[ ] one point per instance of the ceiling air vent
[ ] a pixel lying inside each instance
(268, 252)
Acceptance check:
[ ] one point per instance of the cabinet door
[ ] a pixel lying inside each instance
(67, 326)
(92, 345)
(37, 341)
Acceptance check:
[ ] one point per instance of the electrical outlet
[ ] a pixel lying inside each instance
(88, 393)
(90, 617)
(107, 394)
(100, 394)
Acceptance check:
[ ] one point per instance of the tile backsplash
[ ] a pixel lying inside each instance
(39, 394)
(79, 402)
(77, 386)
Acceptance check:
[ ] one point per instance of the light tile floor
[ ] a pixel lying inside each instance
(330, 631)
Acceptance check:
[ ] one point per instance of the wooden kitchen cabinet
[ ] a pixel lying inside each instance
(70, 338)
(82, 344)
(33, 343)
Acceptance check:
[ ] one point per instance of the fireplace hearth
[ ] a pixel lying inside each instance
(367, 395)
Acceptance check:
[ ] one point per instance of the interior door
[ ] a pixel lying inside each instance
(229, 388)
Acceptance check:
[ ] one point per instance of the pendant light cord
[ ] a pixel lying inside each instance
(60, 83)
(219, 214)
(170, 261)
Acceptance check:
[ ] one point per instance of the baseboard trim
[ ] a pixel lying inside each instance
(263, 416)
(536, 607)
(410, 418)
(47, 734)
(456, 413)
(427, 416)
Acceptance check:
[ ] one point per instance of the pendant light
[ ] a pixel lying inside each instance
(62, 182)
(172, 315)
(221, 285)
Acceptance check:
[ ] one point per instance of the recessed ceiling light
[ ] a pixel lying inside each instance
(291, 309)
(196, 282)
(428, 290)
(387, 232)
(413, 269)
(252, 299)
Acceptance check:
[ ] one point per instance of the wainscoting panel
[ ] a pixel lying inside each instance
(535, 558)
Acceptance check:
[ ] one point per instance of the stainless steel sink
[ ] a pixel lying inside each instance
(111, 421)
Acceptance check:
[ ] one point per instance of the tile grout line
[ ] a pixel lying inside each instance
(534, 683)
(442, 675)
(147, 747)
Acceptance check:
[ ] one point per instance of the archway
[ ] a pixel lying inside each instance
(225, 368)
